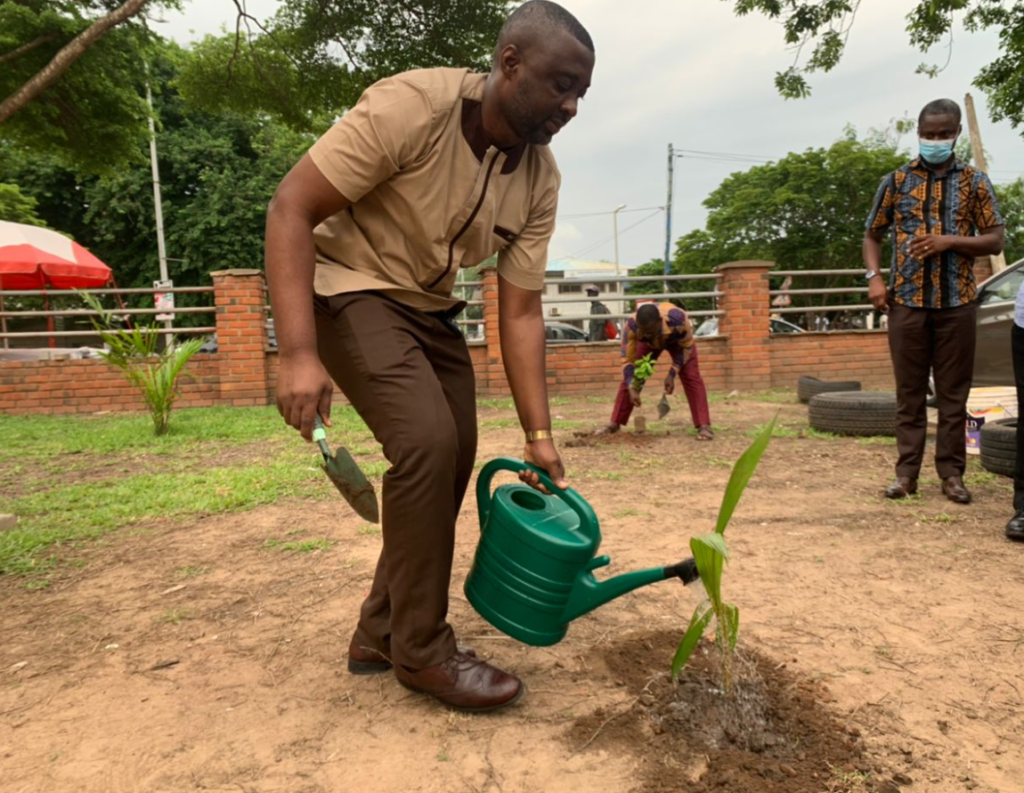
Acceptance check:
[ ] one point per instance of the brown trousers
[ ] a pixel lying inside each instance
(940, 341)
(409, 376)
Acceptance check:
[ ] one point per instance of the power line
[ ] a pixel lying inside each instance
(599, 214)
(606, 240)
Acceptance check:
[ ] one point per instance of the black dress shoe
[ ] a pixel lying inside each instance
(953, 488)
(901, 487)
(1015, 528)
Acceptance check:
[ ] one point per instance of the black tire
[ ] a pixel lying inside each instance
(999, 446)
(807, 387)
(854, 413)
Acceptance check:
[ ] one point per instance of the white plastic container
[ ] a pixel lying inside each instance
(987, 404)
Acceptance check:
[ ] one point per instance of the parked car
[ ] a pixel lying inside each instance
(993, 363)
(211, 345)
(709, 327)
(561, 333)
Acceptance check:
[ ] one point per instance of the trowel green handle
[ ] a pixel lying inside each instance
(320, 436)
(588, 520)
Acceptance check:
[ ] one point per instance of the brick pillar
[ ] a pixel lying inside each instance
(241, 299)
(745, 323)
(982, 268)
(495, 383)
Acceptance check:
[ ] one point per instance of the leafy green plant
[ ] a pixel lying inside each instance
(643, 370)
(710, 552)
(134, 352)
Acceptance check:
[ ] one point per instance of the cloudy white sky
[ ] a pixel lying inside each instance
(692, 74)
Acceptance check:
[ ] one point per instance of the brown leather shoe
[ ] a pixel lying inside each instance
(464, 682)
(901, 487)
(364, 661)
(953, 488)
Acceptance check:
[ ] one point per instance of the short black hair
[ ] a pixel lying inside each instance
(648, 314)
(534, 18)
(940, 107)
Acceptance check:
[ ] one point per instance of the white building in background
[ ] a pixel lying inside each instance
(573, 276)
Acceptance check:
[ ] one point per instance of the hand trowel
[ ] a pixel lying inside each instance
(663, 407)
(346, 475)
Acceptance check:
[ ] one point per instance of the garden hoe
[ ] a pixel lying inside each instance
(663, 407)
(343, 472)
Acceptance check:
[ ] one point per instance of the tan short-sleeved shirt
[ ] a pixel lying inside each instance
(429, 194)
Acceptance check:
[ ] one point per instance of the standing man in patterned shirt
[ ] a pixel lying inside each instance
(432, 170)
(655, 329)
(943, 213)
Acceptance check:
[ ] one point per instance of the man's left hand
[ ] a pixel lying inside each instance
(670, 385)
(929, 245)
(544, 455)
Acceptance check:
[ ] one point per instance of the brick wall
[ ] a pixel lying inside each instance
(244, 371)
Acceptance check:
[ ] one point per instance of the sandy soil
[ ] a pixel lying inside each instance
(193, 657)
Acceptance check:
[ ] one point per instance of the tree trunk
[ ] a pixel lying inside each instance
(63, 60)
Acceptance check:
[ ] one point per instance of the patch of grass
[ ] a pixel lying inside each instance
(175, 616)
(877, 440)
(719, 461)
(626, 513)
(499, 424)
(942, 517)
(191, 571)
(982, 477)
(368, 530)
(565, 424)
(76, 511)
(819, 435)
(613, 476)
(300, 546)
(776, 396)
(780, 431)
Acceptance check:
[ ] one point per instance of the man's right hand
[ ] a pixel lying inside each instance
(877, 294)
(634, 397)
(304, 389)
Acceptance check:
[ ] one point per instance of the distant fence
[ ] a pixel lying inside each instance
(742, 354)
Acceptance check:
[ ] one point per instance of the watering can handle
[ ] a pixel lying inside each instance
(576, 502)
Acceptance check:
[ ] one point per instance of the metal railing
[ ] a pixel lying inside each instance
(854, 315)
(20, 316)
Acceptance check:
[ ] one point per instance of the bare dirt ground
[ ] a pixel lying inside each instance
(193, 657)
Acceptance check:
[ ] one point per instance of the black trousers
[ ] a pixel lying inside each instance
(1017, 345)
(939, 340)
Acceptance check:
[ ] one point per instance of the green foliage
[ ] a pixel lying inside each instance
(94, 116)
(1011, 204)
(134, 351)
(314, 59)
(217, 172)
(16, 207)
(825, 25)
(643, 370)
(804, 212)
(710, 553)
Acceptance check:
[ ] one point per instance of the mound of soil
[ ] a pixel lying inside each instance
(772, 735)
(622, 438)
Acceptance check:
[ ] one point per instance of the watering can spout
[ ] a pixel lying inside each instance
(588, 593)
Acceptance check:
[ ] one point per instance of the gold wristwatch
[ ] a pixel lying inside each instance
(538, 435)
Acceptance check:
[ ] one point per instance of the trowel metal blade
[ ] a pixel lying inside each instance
(663, 407)
(352, 483)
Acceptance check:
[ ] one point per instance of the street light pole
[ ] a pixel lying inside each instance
(615, 230)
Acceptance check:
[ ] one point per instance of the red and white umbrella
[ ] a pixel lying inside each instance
(35, 258)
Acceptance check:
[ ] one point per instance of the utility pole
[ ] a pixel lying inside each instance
(161, 246)
(978, 152)
(668, 213)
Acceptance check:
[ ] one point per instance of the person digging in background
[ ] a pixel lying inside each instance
(652, 330)
(432, 170)
(934, 205)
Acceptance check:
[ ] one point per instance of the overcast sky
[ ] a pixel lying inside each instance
(694, 75)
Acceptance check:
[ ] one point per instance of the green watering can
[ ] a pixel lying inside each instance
(533, 572)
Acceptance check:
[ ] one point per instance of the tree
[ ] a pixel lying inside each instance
(314, 59)
(217, 174)
(1011, 204)
(825, 26)
(17, 207)
(71, 75)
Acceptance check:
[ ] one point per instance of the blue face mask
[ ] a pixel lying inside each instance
(936, 151)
